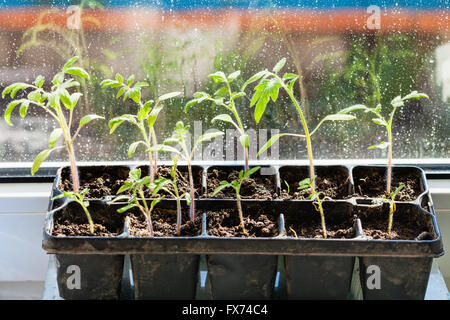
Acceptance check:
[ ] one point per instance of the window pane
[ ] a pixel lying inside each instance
(345, 52)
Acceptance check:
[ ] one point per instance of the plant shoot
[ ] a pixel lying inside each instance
(60, 104)
(179, 137)
(236, 185)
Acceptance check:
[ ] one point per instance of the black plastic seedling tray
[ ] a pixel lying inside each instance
(328, 263)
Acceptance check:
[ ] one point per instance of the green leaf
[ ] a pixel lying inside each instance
(53, 100)
(58, 78)
(88, 118)
(234, 75)
(119, 78)
(120, 92)
(290, 76)
(120, 198)
(34, 96)
(70, 62)
(339, 117)
(135, 174)
(353, 108)
(130, 80)
(116, 122)
(70, 83)
(39, 159)
(24, 108)
(397, 102)
(9, 110)
(255, 97)
(237, 95)
(164, 148)
(39, 82)
(261, 106)
(126, 208)
(251, 171)
(13, 88)
(207, 137)
(168, 96)
(280, 64)
(218, 77)
(220, 188)
(133, 146)
(274, 93)
(415, 95)
(54, 137)
(244, 140)
(189, 104)
(378, 108)
(382, 145)
(253, 78)
(154, 115)
(126, 186)
(379, 121)
(225, 118)
(76, 71)
(155, 202)
(394, 194)
(160, 183)
(74, 98)
(275, 138)
(134, 94)
(141, 84)
(221, 92)
(64, 96)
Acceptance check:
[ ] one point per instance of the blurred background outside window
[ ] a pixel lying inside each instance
(346, 52)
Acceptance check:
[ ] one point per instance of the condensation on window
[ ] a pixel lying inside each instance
(345, 54)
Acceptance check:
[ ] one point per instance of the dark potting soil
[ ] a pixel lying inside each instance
(313, 229)
(182, 177)
(374, 185)
(254, 187)
(405, 225)
(315, 232)
(226, 223)
(101, 181)
(164, 224)
(331, 183)
(72, 221)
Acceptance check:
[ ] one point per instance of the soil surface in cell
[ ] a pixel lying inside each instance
(376, 228)
(100, 182)
(333, 184)
(73, 222)
(254, 187)
(310, 231)
(226, 223)
(164, 224)
(374, 186)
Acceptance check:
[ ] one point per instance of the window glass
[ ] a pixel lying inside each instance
(345, 52)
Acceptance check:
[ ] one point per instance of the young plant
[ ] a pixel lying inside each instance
(145, 117)
(176, 194)
(179, 137)
(79, 198)
(317, 201)
(270, 82)
(60, 105)
(380, 120)
(392, 207)
(236, 185)
(136, 185)
(225, 97)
